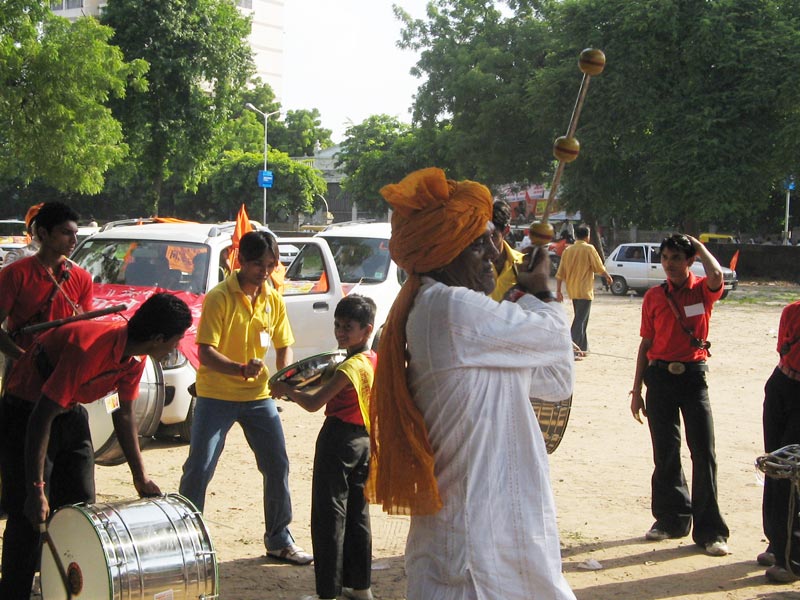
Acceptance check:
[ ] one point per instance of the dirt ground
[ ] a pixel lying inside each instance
(600, 474)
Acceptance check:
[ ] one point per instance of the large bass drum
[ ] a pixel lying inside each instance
(311, 373)
(147, 408)
(553, 418)
(148, 548)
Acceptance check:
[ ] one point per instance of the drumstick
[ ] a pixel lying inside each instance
(81, 317)
(45, 538)
(566, 148)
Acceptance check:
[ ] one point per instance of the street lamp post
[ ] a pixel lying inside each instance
(266, 116)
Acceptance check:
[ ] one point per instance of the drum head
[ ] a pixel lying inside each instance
(81, 552)
(311, 373)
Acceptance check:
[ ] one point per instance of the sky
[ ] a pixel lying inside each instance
(341, 57)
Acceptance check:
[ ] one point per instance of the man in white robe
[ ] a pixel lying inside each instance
(487, 530)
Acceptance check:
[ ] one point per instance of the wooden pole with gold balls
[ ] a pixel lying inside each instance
(566, 148)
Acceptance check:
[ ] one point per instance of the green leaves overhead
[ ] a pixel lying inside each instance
(56, 79)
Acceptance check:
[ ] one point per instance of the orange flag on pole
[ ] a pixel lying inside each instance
(242, 226)
(734, 260)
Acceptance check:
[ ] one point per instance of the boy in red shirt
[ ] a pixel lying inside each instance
(340, 528)
(782, 427)
(46, 450)
(672, 364)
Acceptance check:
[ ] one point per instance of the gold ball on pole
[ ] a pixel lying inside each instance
(592, 61)
(541, 233)
(566, 149)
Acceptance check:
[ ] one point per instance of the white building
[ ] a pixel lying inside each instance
(266, 37)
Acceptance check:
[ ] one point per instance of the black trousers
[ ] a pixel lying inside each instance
(340, 528)
(668, 398)
(69, 475)
(781, 427)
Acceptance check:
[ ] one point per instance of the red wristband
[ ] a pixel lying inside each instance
(241, 370)
(39, 484)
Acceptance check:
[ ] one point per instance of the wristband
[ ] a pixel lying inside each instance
(241, 370)
(545, 295)
(39, 484)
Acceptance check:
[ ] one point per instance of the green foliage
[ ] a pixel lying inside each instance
(693, 120)
(233, 182)
(55, 81)
(199, 59)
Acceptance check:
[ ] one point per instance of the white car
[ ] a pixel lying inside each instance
(128, 262)
(12, 236)
(637, 266)
(363, 266)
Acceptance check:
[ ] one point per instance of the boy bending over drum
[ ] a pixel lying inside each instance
(65, 368)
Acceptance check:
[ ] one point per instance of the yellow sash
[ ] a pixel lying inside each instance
(358, 369)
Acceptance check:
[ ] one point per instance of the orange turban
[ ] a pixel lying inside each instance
(434, 220)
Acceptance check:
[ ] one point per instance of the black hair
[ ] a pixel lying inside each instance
(161, 314)
(52, 214)
(501, 215)
(358, 308)
(582, 232)
(254, 243)
(679, 242)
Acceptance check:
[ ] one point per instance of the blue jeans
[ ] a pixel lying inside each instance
(264, 433)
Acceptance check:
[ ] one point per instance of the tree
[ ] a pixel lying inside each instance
(55, 80)
(233, 182)
(692, 121)
(476, 64)
(686, 118)
(373, 154)
(199, 59)
(300, 132)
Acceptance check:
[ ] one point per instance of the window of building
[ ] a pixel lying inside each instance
(56, 5)
(245, 4)
(74, 3)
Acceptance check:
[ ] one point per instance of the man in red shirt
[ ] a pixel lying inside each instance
(672, 363)
(781, 428)
(45, 286)
(53, 463)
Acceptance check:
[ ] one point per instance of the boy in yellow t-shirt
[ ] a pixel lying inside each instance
(340, 528)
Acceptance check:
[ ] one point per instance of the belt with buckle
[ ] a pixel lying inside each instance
(679, 368)
(789, 371)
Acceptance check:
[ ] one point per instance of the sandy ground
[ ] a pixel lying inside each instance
(600, 474)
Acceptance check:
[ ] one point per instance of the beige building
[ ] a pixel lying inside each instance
(266, 37)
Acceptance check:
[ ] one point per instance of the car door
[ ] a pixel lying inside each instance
(630, 263)
(656, 274)
(311, 291)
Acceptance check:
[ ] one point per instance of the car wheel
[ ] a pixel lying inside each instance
(184, 428)
(724, 294)
(619, 286)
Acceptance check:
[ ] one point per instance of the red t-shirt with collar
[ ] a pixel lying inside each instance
(25, 288)
(789, 333)
(88, 363)
(344, 405)
(670, 341)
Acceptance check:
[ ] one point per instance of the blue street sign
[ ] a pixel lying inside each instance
(265, 179)
(789, 183)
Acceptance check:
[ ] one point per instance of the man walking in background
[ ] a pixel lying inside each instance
(579, 264)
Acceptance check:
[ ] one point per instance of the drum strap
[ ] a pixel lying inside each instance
(695, 341)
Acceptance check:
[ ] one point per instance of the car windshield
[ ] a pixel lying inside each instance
(360, 259)
(12, 228)
(147, 263)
